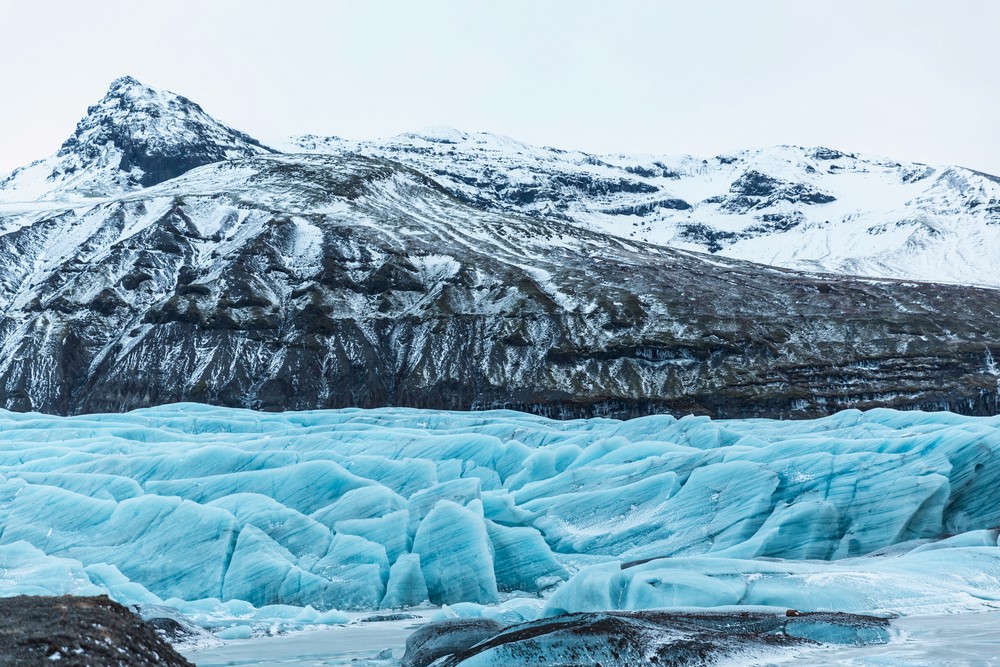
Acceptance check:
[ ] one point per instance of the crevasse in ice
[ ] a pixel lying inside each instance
(207, 507)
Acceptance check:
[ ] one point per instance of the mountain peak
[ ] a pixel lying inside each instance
(158, 134)
(129, 93)
(124, 82)
(135, 136)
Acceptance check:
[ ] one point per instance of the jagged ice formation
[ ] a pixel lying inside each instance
(355, 509)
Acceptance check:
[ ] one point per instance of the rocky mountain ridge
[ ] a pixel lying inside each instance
(294, 281)
(809, 209)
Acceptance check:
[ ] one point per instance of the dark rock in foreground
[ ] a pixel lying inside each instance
(83, 631)
(639, 638)
(454, 635)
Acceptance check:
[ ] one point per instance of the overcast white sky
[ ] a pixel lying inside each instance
(910, 79)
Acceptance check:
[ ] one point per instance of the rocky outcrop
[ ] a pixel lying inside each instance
(79, 632)
(642, 638)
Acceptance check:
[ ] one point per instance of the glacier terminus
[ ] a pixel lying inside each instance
(242, 521)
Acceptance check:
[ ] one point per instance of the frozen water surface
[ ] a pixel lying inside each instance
(357, 644)
(967, 640)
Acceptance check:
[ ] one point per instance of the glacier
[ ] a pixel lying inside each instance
(238, 518)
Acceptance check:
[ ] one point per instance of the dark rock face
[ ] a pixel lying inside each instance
(754, 190)
(454, 635)
(79, 632)
(298, 282)
(649, 208)
(715, 240)
(495, 191)
(755, 184)
(655, 638)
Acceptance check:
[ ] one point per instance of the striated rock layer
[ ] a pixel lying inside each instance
(298, 282)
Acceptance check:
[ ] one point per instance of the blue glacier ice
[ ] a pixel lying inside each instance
(929, 582)
(263, 572)
(29, 571)
(406, 586)
(522, 560)
(234, 513)
(456, 555)
(391, 531)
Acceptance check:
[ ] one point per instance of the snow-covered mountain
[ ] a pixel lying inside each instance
(136, 136)
(281, 281)
(811, 209)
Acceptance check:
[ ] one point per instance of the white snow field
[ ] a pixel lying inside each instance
(253, 523)
(809, 209)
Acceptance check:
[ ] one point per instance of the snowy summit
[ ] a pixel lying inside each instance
(135, 136)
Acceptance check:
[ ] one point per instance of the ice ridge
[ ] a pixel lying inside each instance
(232, 510)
